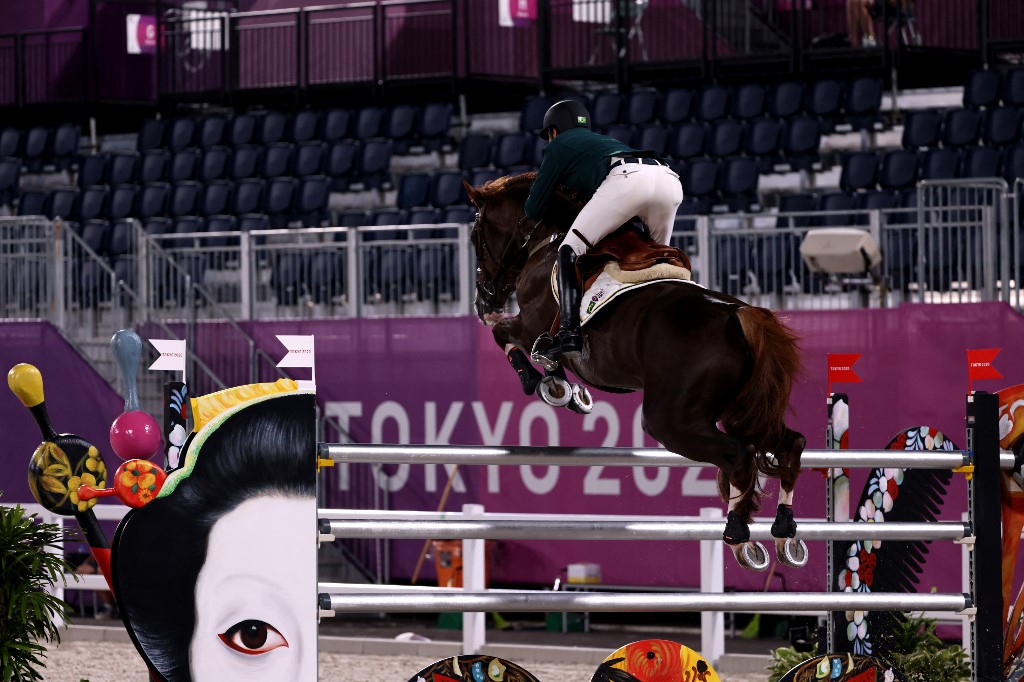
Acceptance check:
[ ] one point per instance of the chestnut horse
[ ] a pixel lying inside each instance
(702, 359)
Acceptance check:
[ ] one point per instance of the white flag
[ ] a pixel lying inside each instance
(300, 354)
(172, 354)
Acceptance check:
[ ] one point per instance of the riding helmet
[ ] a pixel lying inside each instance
(563, 116)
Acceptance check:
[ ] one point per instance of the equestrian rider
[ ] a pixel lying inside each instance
(619, 182)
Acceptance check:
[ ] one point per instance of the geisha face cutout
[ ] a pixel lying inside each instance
(216, 578)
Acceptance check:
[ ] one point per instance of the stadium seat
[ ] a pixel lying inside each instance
(341, 164)
(311, 200)
(676, 106)
(801, 139)
(531, 115)
(424, 215)
(509, 151)
(248, 196)
(221, 223)
(121, 203)
(369, 123)
(446, 189)
(63, 204)
(212, 131)
(353, 218)
(434, 132)
(154, 166)
(217, 197)
(92, 284)
(863, 104)
(874, 200)
(280, 200)
(606, 110)
(897, 170)
(786, 100)
(700, 178)
(623, 132)
(961, 128)
(1013, 163)
(738, 184)
(750, 102)
(475, 151)
(246, 162)
(481, 176)
(185, 164)
(726, 139)
(940, 164)
(309, 158)
(272, 127)
(10, 142)
(921, 129)
(32, 202)
(383, 217)
(253, 221)
(64, 147)
(122, 168)
(242, 130)
(642, 107)
(712, 104)
(825, 101)
(459, 214)
(413, 190)
(1013, 88)
(93, 203)
(35, 148)
(277, 160)
(185, 199)
(305, 126)
(982, 89)
(150, 136)
(158, 225)
(981, 162)
(216, 164)
(92, 170)
(1001, 126)
(153, 200)
(796, 203)
(688, 141)
(837, 206)
(652, 136)
(374, 164)
(762, 143)
(859, 172)
(335, 126)
(182, 133)
(400, 127)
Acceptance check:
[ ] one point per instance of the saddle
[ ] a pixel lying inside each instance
(633, 250)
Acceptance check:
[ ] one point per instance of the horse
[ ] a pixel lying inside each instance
(715, 372)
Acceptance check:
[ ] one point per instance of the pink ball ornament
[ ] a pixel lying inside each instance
(135, 435)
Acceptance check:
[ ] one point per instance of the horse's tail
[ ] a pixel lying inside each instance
(757, 414)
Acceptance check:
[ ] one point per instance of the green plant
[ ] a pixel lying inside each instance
(915, 650)
(30, 562)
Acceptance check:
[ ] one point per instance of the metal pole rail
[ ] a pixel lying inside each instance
(330, 529)
(653, 457)
(525, 601)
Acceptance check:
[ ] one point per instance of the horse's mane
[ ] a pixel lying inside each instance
(564, 202)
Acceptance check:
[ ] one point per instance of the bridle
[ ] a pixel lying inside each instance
(488, 289)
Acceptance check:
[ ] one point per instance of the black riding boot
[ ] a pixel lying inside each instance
(569, 338)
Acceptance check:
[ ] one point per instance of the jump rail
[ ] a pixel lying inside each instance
(653, 457)
(524, 601)
(330, 529)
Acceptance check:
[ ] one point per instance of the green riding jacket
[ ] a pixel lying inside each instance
(578, 159)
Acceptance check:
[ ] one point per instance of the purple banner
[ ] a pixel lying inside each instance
(444, 381)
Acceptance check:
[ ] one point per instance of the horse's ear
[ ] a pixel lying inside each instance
(473, 194)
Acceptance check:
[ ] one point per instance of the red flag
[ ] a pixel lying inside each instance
(840, 369)
(979, 365)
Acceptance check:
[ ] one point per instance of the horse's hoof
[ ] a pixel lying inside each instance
(784, 525)
(751, 555)
(736, 531)
(582, 401)
(792, 552)
(555, 391)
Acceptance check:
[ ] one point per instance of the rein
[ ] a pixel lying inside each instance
(488, 288)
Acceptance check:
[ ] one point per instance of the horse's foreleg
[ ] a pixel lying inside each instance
(791, 552)
(580, 401)
(529, 377)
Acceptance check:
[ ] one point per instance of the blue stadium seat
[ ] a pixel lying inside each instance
(92, 170)
(475, 151)
(859, 172)
(32, 202)
(154, 166)
(248, 196)
(726, 139)
(369, 123)
(940, 164)
(311, 200)
(825, 100)
(509, 151)
(700, 178)
(150, 136)
(434, 132)
(898, 170)
(531, 115)
(277, 160)
(279, 202)
(961, 128)
(353, 218)
(921, 129)
(642, 107)
(121, 203)
(801, 139)
(327, 276)
(1013, 163)
(1013, 88)
(336, 124)
(92, 284)
(400, 127)
(1001, 126)
(606, 110)
(221, 223)
(272, 127)
(413, 190)
(712, 104)
(423, 215)
(63, 204)
(309, 158)
(153, 200)
(738, 184)
(64, 147)
(446, 189)
(212, 131)
(459, 214)
(874, 200)
(763, 142)
(186, 199)
(246, 162)
(217, 197)
(676, 106)
(36, 148)
(305, 126)
(384, 216)
(185, 164)
(242, 130)
(786, 100)
(623, 132)
(837, 206)
(158, 225)
(535, 150)
(93, 203)
(863, 104)
(688, 141)
(982, 89)
(181, 134)
(796, 203)
(481, 176)
(253, 221)
(10, 142)
(341, 164)
(652, 136)
(751, 101)
(216, 164)
(981, 162)
(374, 164)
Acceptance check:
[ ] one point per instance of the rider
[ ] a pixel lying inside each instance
(618, 181)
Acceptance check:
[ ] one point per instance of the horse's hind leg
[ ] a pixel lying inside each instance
(740, 491)
(789, 551)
